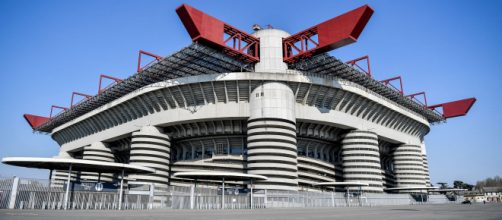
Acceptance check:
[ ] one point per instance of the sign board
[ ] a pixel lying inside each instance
(234, 191)
(93, 187)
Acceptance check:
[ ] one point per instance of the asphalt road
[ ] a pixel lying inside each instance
(421, 212)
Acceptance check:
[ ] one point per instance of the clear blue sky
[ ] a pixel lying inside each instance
(450, 49)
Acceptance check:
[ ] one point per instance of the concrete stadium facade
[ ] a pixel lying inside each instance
(295, 127)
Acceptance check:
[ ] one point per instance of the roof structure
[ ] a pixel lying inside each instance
(198, 59)
(212, 53)
(412, 188)
(325, 64)
(195, 59)
(76, 164)
(448, 190)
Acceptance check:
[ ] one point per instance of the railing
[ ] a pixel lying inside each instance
(16, 193)
(5, 192)
(285, 199)
(378, 199)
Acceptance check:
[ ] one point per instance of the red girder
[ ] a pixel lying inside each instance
(455, 108)
(355, 61)
(142, 52)
(412, 96)
(80, 94)
(100, 89)
(58, 107)
(387, 83)
(331, 34)
(35, 120)
(206, 29)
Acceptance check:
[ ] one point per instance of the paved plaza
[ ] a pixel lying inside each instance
(475, 211)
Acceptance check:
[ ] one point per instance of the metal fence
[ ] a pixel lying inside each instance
(16, 193)
(442, 199)
(289, 199)
(178, 197)
(378, 199)
(5, 192)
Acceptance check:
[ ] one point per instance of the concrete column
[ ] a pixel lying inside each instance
(151, 148)
(361, 160)
(98, 152)
(271, 59)
(13, 193)
(409, 167)
(272, 149)
(192, 197)
(265, 199)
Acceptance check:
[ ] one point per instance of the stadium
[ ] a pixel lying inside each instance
(269, 103)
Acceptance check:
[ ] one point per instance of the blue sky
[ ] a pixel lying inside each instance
(450, 49)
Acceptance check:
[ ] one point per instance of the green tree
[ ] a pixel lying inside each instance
(443, 185)
(458, 184)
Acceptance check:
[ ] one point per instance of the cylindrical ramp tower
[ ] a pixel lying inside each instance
(426, 171)
(271, 56)
(426, 166)
(150, 148)
(59, 177)
(98, 152)
(409, 167)
(361, 160)
(271, 139)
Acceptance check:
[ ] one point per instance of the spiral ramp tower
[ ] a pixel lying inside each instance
(59, 177)
(151, 148)
(361, 160)
(409, 167)
(426, 167)
(98, 152)
(271, 138)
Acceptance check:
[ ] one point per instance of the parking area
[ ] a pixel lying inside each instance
(475, 211)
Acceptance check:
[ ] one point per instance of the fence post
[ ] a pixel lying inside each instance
(13, 193)
(265, 200)
(151, 196)
(333, 198)
(192, 196)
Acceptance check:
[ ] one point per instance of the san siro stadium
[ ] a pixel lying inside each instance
(267, 103)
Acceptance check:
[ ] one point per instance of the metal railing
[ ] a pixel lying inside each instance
(16, 193)
(5, 192)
